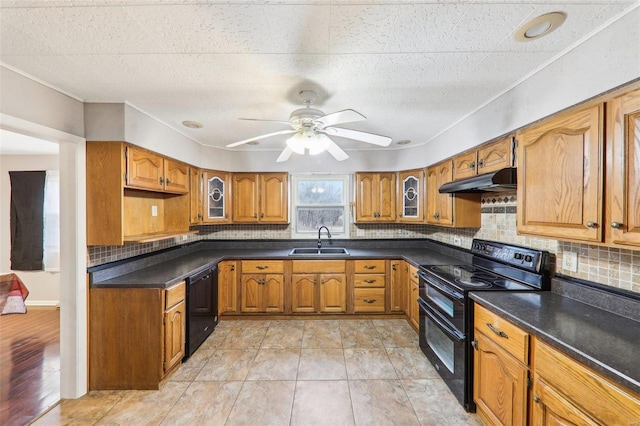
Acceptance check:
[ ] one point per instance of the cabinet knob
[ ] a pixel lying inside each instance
(161, 179)
(261, 215)
(436, 216)
(616, 225)
(472, 165)
(480, 163)
(168, 181)
(536, 399)
(592, 224)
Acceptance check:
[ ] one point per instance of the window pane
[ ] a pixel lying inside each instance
(310, 219)
(320, 192)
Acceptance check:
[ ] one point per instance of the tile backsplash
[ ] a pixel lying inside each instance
(610, 266)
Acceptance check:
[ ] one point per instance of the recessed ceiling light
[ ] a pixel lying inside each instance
(403, 142)
(192, 124)
(540, 26)
(253, 143)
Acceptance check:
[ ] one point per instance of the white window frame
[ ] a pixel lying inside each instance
(346, 197)
(51, 212)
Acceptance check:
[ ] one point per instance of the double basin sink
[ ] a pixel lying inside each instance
(310, 251)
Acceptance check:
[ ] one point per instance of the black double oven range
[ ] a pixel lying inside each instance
(446, 312)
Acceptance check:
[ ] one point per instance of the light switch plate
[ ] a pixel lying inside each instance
(457, 241)
(570, 261)
(154, 211)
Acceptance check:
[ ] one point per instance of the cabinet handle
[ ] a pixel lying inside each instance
(436, 216)
(168, 181)
(369, 266)
(255, 215)
(616, 225)
(369, 300)
(472, 165)
(592, 224)
(322, 281)
(496, 331)
(262, 267)
(315, 281)
(394, 267)
(414, 275)
(369, 281)
(161, 180)
(261, 215)
(233, 267)
(536, 399)
(481, 163)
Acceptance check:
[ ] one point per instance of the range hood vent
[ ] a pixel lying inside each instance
(502, 180)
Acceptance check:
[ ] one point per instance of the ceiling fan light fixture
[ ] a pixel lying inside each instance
(319, 144)
(296, 143)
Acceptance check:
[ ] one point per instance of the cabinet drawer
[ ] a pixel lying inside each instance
(600, 398)
(369, 299)
(317, 266)
(262, 266)
(503, 333)
(174, 294)
(369, 280)
(369, 266)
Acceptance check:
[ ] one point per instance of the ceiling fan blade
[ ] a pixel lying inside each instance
(371, 138)
(255, 138)
(335, 150)
(344, 116)
(270, 121)
(284, 156)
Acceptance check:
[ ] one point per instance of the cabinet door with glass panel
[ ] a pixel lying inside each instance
(216, 201)
(320, 201)
(410, 202)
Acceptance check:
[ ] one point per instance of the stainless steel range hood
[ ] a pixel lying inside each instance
(502, 180)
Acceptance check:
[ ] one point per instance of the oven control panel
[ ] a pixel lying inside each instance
(514, 255)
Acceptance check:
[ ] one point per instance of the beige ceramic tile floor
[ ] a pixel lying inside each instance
(315, 372)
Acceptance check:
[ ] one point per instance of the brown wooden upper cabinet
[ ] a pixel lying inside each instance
(411, 196)
(118, 213)
(487, 158)
(560, 176)
(453, 210)
(623, 190)
(375, 197)
(154, 172)
(216, 202)
(195, 196)
(260, 197)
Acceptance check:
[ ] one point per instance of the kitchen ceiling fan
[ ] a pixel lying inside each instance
(311, 129)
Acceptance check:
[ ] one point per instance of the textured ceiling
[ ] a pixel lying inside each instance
(414, 68)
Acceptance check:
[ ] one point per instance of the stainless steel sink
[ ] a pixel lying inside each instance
(309, 251)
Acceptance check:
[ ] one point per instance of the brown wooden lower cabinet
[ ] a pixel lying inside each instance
(262, 293)
(562, 391)
(227, 287)
(136, 336)
(569, 393)
(318, 286)
(413, 312)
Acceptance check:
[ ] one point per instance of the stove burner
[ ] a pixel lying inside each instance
(473, 282)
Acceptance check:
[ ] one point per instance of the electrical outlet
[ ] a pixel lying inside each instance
(360, 232)
(154, 211)
(184, 238)
(570, 261)
(457, 240)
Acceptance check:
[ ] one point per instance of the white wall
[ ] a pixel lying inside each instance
(44, 287)
(26, 99)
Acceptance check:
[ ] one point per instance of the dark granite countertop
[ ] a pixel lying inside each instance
(607, 342)
(178, 268)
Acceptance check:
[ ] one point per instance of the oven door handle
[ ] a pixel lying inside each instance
(451, 331)
(440, 287)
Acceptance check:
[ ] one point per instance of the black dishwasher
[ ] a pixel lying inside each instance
(202, 308)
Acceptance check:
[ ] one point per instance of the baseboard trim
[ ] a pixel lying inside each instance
(54, 303)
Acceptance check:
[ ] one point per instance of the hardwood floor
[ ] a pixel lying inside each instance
(29, 364)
